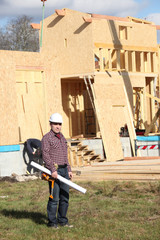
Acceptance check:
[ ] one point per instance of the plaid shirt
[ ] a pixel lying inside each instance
(54, 151)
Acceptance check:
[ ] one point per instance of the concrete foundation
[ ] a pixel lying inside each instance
(96, 145)
(18, 162)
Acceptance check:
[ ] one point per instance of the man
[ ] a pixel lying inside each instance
(31, 144)
(54, 152)
(33, 149)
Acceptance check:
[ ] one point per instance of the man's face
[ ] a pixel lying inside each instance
(56, 127)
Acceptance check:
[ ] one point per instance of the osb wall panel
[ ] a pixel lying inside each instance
(107, 31)
(109, 100)
(28, 59)
(53, 95)
(30, 104)
(17, 106)
(136, 81)
(69, 39)
(8, 113)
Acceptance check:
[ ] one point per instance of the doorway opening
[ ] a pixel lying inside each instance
(79, 115)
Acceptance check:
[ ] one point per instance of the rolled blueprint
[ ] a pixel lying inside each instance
(60, 178)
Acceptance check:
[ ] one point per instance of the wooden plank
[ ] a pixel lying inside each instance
(60, 12)
(152, 97)
(35, 26)
(88, 20)
(149, 129)
(30, 105)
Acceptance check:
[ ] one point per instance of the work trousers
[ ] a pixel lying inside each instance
(60, 200)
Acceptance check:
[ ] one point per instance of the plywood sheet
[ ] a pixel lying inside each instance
(106, 96)
(30, 105)
(8, 119)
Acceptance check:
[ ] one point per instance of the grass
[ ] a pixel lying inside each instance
(109, 210)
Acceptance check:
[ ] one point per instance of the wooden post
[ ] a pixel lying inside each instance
(152, 101)
(142, 108)
(133, 61)
(78, 107)
(82, 107)
(109, 59)
(142, 61)
(155, 62)
(148, 62)
(118, 59)
(151, 126)
(101, 60)
(126, 60)
(69, 109)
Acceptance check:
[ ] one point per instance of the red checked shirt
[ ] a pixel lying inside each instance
(54, 151)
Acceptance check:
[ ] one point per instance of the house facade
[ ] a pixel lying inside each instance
(100, 72)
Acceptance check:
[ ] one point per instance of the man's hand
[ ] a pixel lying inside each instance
(54, 175)
(70, 175)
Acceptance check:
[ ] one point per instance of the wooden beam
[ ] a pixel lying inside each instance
(157, 27)
(35, 26)
(60, 12)
(138, 20)
(109, 17)
(88, 20)
(152, 97)
(152, 123)
(126, 47)
(29, 68)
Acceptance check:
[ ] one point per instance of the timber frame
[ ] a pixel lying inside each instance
(100, 72)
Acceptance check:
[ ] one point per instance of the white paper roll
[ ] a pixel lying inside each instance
(62, 179)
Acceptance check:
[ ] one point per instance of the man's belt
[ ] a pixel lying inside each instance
(62, 166)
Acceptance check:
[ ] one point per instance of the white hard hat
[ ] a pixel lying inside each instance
(56, 117)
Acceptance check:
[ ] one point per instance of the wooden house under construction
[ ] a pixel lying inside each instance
(100, 72)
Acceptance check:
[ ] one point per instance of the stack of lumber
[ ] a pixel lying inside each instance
(120, 170)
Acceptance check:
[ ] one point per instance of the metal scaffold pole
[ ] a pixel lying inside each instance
(43, 8)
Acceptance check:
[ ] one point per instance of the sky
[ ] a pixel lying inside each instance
(145, 9)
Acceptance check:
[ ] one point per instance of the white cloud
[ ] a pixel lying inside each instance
(114, 7)
(154, 17)
(122, 8)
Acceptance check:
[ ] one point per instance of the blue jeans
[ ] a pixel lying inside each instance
(60, 200)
